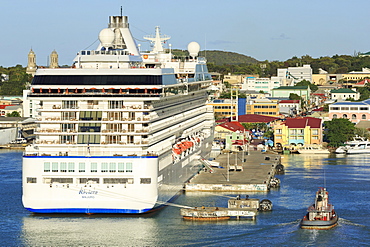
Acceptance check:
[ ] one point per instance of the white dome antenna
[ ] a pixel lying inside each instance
(193, 49)
(106, 37)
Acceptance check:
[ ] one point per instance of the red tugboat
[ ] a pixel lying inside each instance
(320, 215)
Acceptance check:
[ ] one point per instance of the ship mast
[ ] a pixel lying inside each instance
(158, 40)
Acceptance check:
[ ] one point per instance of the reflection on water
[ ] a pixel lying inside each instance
(346, 177)
(88, 231)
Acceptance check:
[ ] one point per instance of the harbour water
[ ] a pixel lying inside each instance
(347, 178)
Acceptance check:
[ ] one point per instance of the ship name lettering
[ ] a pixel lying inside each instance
(92, 192)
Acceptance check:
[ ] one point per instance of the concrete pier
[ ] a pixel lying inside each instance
(255, 175)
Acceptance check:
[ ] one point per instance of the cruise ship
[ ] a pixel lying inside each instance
(120, 131)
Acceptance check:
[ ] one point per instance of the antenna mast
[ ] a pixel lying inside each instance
(121, 11)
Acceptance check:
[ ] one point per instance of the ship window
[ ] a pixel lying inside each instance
(94, 167)
(115, 104)
(31, 180)
(54, 167)
(97, 80)
(121, 167)
(112, 167)
(46, 166)
(63, 166)
(91, 115)
(118, 180)
(88, 139)
(71, 167)
(69, 116)
(69, 104)
(81, 167)
(145, 180)
(104, 167)
(89, 180)
(61, 180)
(129, 167)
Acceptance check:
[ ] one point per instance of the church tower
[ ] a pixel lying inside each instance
(31, 66)
(54, 60)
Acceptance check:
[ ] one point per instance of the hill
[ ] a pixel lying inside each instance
(220, 57)
(225, 57)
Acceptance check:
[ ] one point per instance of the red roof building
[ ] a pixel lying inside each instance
(301, 130)
(362, 83)
(251, 118)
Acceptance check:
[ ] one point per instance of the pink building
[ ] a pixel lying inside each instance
(353, 111)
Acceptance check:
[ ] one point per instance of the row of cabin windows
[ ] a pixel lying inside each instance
(354, 116)
(33, 180)
(83, 167)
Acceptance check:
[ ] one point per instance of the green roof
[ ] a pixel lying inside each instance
(342, 90)
(291, 88)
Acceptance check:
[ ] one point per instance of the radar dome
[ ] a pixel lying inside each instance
(193, 49)
(106, 37)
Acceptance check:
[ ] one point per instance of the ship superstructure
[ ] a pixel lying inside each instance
(119, 131)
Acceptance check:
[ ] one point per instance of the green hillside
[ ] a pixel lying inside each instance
(220, 57)
(224, 57)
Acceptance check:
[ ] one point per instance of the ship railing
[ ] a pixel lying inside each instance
(85, 152)
(108, 52)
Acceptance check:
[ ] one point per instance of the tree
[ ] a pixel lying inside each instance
(338, 131)
(13, 114)
(313, 87)
(326, 108)
(294, 96)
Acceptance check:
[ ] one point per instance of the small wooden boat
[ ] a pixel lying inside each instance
(320, 215)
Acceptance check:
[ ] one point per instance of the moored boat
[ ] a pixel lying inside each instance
(313, 149)
(358, 145)
(321, 214)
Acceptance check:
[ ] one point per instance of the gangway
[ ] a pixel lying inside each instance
(207, 164)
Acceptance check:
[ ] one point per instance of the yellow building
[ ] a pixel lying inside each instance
(265, 107)
(223, 108)
(319, 79)
(299, 131)
(237, 79)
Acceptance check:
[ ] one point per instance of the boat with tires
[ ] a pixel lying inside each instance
(321, 214)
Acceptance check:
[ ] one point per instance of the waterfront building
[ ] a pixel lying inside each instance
(299, 131)
(343, 94)
(7, 109)
(353, 111)
(14, 127)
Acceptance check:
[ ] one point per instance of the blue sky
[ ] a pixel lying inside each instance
(266, 30)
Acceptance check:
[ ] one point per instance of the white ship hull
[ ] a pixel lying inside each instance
(130, 197)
